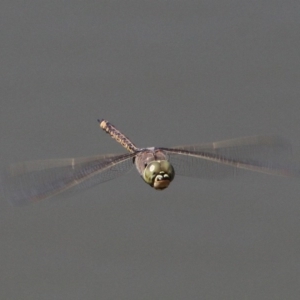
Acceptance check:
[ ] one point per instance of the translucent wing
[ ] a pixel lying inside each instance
(37, 180)
(222, 159)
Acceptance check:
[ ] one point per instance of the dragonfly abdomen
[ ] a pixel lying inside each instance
(117, 135)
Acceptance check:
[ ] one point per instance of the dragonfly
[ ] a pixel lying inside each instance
(32, 181)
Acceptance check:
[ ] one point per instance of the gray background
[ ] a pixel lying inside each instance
(165, 73)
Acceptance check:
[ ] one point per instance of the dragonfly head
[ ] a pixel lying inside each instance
(159, 174)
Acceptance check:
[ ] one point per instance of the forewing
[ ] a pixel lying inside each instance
(224, 159)
(27, 182)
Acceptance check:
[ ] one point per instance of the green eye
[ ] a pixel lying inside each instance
(151, 171)
(159, 174)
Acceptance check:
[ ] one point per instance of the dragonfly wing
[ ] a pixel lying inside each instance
(224, 159)
(253, 147)
(37, 180)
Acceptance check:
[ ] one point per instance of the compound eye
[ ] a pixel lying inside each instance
(150, 172)
(159, 171)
